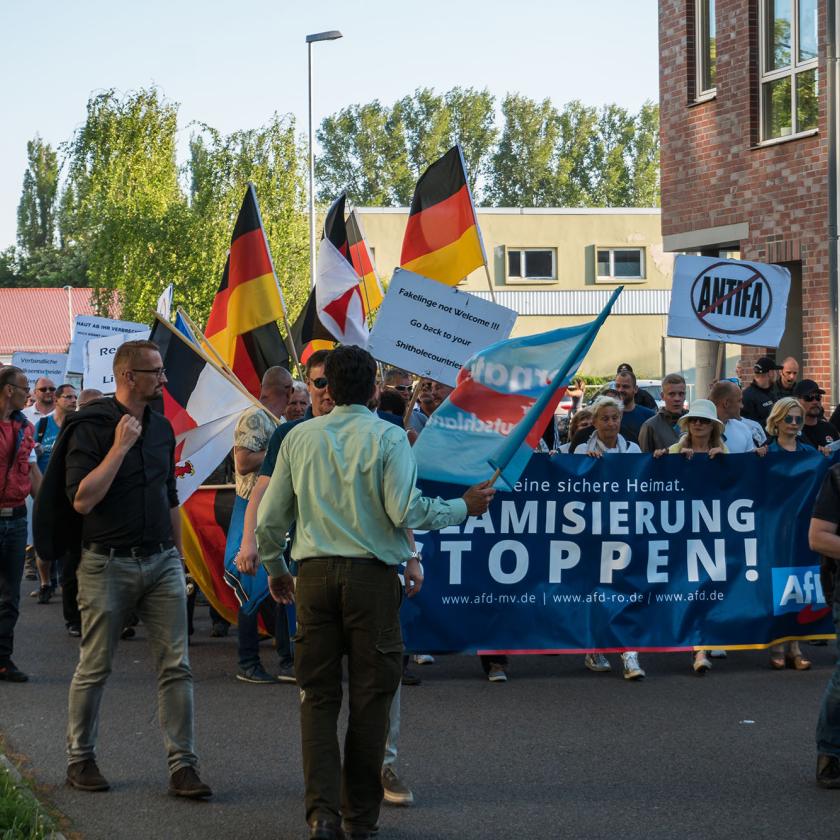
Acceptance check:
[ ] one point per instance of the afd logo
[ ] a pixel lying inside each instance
(797, 589)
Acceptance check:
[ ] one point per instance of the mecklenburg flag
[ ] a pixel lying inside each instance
(308, 333)
(362, 260)
(338, 293)
(442, 239)
(242, 326)
(205, 521)
(503, 399)
(202, 405)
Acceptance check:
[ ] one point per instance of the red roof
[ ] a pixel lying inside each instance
(38, 320)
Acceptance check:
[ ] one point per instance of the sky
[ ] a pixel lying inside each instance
(231, 65)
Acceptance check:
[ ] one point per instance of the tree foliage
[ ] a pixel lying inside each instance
(36, 215)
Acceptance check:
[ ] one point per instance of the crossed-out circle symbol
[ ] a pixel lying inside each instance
(752, 276)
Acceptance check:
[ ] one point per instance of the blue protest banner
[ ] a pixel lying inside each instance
(628, 553)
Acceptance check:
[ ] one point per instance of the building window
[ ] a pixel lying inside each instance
(789, 81)
(528, 265)
(705, 28)
(618, 264)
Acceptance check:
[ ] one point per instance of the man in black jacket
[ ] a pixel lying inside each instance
(760, 396)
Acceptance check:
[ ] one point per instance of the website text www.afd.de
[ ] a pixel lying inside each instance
(597, 597)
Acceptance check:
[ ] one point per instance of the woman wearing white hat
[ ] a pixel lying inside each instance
(702, 431)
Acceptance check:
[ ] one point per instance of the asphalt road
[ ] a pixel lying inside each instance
(557, 752)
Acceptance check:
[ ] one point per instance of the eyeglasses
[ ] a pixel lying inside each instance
(68, 397)
(812, 397)
(45, 390)
(320, 382)
(19, 387)
(158, 372)
(793, 420)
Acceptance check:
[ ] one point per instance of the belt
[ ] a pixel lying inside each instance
(366, 561)
(136, 552)
(13, 512)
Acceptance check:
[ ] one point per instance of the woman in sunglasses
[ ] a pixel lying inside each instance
(701, 433)
(784, 426)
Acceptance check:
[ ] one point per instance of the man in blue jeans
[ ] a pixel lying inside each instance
(823, 538)
(19, 478)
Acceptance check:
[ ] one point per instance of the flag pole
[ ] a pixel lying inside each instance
(290, 345)
(410, 407)
(208, 347)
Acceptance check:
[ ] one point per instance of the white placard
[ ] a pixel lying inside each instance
(728, 300)
(430, 329)
(99, 359)
(92, 326)
(52, 365)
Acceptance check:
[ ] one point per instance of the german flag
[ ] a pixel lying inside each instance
(362, 261)
(442, 239)
(242, 326)
(308, 333)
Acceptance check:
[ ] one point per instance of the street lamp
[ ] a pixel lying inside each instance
(332, 35)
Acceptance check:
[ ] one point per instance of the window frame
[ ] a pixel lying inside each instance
(611, 278)
(524, 280)
(790, 71)
(701, 36)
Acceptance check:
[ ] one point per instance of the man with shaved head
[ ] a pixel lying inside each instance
(788, 376)
(44, 393)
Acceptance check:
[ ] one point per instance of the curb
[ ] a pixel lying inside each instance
(26, 791)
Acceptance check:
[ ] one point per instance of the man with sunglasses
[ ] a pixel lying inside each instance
(44, 400)
(815, 430)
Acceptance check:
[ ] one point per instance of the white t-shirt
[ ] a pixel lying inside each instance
(756, 429)
(738, 437)
(33, 415)
(632, 449)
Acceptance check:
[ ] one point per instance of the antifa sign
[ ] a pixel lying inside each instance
(627, 553)
(728, 300)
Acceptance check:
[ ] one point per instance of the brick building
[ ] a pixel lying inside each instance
(748, 146)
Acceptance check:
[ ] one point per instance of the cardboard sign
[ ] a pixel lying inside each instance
(728, 300)
(51, 365)
(91, 326)
(430, 329)
(99, 359)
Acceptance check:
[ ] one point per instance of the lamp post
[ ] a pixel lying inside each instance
(331, 35)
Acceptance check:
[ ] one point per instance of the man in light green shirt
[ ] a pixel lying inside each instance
(348, 480)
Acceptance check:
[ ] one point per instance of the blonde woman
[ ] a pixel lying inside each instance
(605, 438)
(784, 426)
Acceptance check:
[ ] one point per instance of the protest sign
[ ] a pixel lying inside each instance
(431, 329)
(728, 300)
(99, 359)
(91, 326)
(52, 365)
(628, 552)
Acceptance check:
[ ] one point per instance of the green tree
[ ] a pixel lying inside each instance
(644, 153)
(611, 162)
(37, 209)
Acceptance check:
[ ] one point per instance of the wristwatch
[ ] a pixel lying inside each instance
(415, 555)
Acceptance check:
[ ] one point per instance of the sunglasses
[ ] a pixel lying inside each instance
(795, 421)
(406, 389)
(158, 372)
(45, 390)
(702, 420)
(320, 382)
(812, 397)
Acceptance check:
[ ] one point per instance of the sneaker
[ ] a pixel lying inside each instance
(85, 775)
(220, 629)
(286, 672)
(423, 659)
(701, 664)
(395, 790)
(597, 662)
(74, 630)
(128, 632)
(632, 669)
(828, 771)
(717, 654)
(410, 679)
(256, 674)
(497, 673)
(9, 672)
(185, 782)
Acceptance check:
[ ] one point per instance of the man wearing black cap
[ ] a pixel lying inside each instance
(815, 430)
(760, 396)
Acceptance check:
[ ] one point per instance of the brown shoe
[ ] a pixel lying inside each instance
(185, 782)
(85, 775)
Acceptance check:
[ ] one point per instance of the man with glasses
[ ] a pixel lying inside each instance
(44, 400)
(815, 430)
(110, 495)
(400, 380)
(19, 478)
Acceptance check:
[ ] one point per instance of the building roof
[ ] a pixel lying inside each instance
(38, 320)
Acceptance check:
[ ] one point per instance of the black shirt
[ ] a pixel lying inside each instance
(827, 508)
(758, 402)
(136, 508)
(644, 399)
(820, 434)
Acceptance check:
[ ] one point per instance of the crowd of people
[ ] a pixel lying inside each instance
(327, 508)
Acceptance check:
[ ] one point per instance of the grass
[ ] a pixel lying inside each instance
(21, 817)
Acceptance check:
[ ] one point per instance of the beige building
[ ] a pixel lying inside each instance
(558, 266)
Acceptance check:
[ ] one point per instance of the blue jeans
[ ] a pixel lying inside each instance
(12, 551)
(828, 723)
(248, 635)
